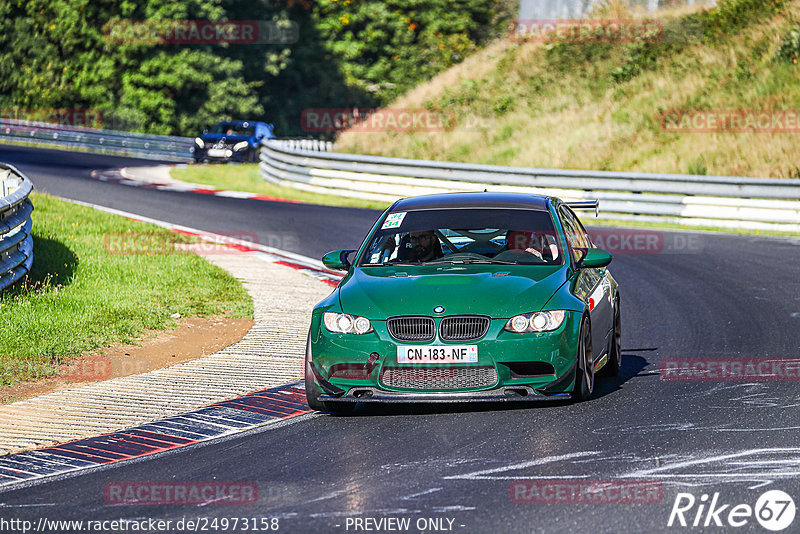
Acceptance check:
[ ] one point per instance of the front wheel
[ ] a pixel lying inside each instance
(313, 392)
(584, 371)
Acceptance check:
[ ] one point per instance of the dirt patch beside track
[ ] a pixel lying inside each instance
(193, 338)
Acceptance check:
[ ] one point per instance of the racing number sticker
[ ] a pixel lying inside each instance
(393, 220)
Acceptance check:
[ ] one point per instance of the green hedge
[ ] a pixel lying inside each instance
(55, 54)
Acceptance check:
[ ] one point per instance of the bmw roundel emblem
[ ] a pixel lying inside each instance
(438, 309)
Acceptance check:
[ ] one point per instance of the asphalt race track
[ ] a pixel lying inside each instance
(716, 296)
(305, 229)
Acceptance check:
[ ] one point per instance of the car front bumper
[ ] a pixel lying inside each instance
(239, 155)
(498, 351)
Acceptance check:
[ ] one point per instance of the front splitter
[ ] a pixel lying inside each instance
(504, 394)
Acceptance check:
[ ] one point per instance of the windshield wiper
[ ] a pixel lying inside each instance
(473, 261)
(391, 264)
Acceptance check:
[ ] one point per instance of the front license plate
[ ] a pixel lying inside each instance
(437, 354)
(216, 152)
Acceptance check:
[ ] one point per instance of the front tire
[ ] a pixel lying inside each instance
(584, 370)
(313, 391)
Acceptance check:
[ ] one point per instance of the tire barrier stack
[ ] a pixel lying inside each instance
(16, 242)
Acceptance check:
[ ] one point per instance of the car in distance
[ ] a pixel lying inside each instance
(232, 141)
(466, 297)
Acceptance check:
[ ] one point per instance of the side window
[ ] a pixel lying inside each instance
(581, 236)
(576, 235)
(569, 232)
(581, 230)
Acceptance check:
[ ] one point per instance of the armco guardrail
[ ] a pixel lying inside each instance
(16, 242)
(314, 145)
(725, 202)
(135, 144)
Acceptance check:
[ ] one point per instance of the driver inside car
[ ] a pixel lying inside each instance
(532, 243)
(421, 246)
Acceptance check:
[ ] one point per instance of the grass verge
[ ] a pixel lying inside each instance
(246, 177)
(84, 293)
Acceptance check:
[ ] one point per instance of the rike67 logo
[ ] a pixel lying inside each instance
(774, 510)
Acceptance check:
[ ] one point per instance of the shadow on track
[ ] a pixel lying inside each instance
(631, 368)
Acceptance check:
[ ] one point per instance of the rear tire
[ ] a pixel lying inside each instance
(614, 364)
(584, 370)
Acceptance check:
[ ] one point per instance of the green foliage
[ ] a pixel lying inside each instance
(503, 104)
(698, 166)
(715, 27)
(565, 55)
(790, 47)
(731, 15)
(393, 44)
(57, 54)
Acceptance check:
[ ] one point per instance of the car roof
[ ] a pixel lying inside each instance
(239, 122)
(474, 200)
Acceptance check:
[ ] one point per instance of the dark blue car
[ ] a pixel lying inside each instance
(232, 141)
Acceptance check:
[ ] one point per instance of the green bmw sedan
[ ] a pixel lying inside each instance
(465, 297)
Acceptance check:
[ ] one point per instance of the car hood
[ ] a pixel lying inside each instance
(497, 291)
(230, 139)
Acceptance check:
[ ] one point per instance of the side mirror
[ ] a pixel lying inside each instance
(337, 260)
(594, 258)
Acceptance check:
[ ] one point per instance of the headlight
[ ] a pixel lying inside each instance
(342, 323)
(199, 142)
(240, 146)
(543, 321)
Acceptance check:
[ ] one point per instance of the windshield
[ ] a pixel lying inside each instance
(503, 236)
(227, 128)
